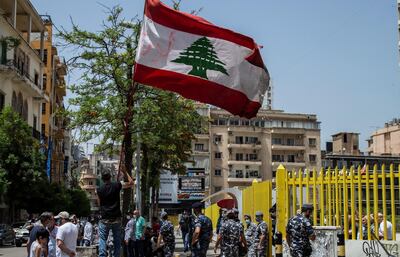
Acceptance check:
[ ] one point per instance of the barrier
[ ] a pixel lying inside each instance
(341, 198)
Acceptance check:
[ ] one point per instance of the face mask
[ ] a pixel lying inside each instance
(128, 217)
(248, 222)
(258, 219)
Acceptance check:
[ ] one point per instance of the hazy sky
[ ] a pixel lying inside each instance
(337, 59)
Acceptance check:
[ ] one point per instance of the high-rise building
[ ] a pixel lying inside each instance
(21, 66)
(53, 124)
(235, 151)
(386, 141)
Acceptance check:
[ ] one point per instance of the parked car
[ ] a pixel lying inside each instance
(7, 234)
(22, 234)
(18, 225)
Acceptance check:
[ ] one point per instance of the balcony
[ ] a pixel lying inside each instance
(245, 162)
(233, 144)
(290, 165)
(88, 187)
(203, 152)
(202, 136)
(242, 178)
(293, 147)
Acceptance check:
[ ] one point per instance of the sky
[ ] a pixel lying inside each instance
(336, 59)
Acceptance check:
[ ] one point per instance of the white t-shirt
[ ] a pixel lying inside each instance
(388, 229)
(88, 231)
(32, 250)
(68, 233)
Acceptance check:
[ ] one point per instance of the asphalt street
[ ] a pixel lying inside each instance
(12, 251)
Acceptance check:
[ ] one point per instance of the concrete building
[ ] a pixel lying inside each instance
(21, 65)
(236, 151)
(88, 182)
(346, 143)
(53, 124)
(386, 141)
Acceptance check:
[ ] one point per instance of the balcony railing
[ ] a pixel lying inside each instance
(22, 70)
(36, 134)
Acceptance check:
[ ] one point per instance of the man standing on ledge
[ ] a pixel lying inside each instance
(110, 210)
(299, 232)
(202, 235)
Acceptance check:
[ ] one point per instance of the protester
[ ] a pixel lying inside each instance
(184, 224)
(155, 226)
(166, 236)
(250, 234)
(44, 220)
(261, 239)
(389, 227)
(109, 200)
(299, 232)
(230, 236)
(130, 236)
(39, 246)
(202, 232)
(139, 233)
(52, 245)
(67, 236)
(88, 232)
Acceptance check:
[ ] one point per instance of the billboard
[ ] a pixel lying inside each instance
(191, 186)
(168, 192)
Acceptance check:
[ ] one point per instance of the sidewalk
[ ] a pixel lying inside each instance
(179, 249)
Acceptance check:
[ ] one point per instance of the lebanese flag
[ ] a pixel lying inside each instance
(186, 54)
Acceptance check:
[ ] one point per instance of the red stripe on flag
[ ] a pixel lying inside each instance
(162, 14)
(198, 89)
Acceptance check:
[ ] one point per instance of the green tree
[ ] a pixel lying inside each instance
(21, 163)
(79, 204)
(105, 98)
(202, 56)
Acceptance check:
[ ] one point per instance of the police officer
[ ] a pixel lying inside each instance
(261, 235)
(230, 236)
(167, 236)
(250, 234)
(299, 232)
(202, 232)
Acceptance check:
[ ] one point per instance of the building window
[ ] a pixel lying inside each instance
(312, 157)
(43, 108)
(217, 155)
(199, 147)
(291, 158)
(217, 189)
(20, 103)
(312, 141)
(239, 173)
(252, 174)
(252, 157)
(276, 141)
(217, 172)
(234, 122)
(44, 82)
(245, 123)
(2, 101)
(217, 139)
(290, 141)
(37, 79)
(239, 157)
(43, 128)
(277, 158)
(345, 138)
(25, 111)
(3, 52)
(251, 140)
(45, 56)
(238, 140)
(14, 101)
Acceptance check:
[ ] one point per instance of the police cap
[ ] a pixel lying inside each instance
(259, 213)
(197, 205)
(307, 207)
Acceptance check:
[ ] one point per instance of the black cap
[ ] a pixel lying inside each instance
(197, 205)
(307, 207)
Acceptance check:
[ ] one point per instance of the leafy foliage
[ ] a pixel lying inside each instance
(105, 100)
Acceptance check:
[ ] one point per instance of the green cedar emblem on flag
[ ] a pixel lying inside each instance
(202, 57)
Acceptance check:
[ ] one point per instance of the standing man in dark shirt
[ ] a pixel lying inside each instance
(44, 220)
(110, 210)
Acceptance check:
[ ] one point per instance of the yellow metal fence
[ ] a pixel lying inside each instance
(341, 198)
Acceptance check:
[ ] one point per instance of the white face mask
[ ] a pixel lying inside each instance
(128, 217)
